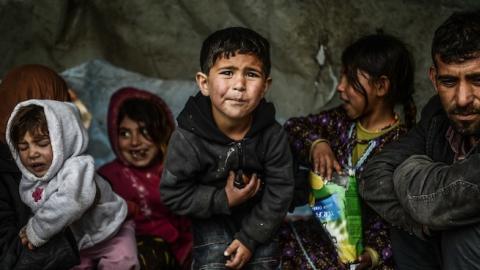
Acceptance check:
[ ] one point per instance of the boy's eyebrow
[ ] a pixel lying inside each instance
(473, 75)
(247, 68)
(253, 68)
(228, 67)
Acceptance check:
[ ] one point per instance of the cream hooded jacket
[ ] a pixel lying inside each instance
(70, 193)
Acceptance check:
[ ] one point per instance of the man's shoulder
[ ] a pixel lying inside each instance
(432, 108)
(433, 117)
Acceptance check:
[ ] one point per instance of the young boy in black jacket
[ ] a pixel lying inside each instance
(228, 165)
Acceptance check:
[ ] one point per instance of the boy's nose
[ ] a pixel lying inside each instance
(239, 83)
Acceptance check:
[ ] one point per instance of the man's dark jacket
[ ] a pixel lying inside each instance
(415, 180)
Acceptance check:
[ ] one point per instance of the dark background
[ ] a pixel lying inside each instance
(162, 39)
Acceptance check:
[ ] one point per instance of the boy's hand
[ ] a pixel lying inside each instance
(237, 196)
(238, 254)
(324, 161)
(24, 239)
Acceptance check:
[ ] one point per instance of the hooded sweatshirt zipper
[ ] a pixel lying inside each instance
(238, 182)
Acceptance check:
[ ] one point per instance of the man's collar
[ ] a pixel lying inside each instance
(461, 145)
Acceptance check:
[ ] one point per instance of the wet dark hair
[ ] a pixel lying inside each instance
(154, 119)
(383, 55)
(458, 38)
(229, 41)
(30, 118)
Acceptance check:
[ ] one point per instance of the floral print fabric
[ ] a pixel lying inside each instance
(332, 125)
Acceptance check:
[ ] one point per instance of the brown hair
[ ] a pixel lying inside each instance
(30, 118)
(155, 120)
(383, 55)
(29, 82)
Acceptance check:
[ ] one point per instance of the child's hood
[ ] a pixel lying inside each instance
(116, 101)
(197, 117)
(68, 137)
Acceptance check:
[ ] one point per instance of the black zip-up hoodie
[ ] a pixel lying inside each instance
(200, 157)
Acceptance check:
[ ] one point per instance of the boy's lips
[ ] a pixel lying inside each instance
(38, 167)
(236, 101)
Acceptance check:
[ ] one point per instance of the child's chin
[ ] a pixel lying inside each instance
(141, 163)
(39, 175)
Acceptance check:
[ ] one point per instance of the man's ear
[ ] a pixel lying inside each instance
(268, 82)
(382, 86)
(432, 74)
(202, 82)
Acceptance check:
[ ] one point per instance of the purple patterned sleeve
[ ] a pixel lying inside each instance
(303, 131)
(376, 236)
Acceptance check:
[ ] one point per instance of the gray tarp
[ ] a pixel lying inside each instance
(95, 81)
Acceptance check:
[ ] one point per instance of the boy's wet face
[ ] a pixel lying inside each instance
(36, 153)
(235, 86)
(135, 144)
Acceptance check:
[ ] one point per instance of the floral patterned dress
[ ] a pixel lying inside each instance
(316, 250)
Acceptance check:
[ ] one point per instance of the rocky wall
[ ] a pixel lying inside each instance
(162, 39)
